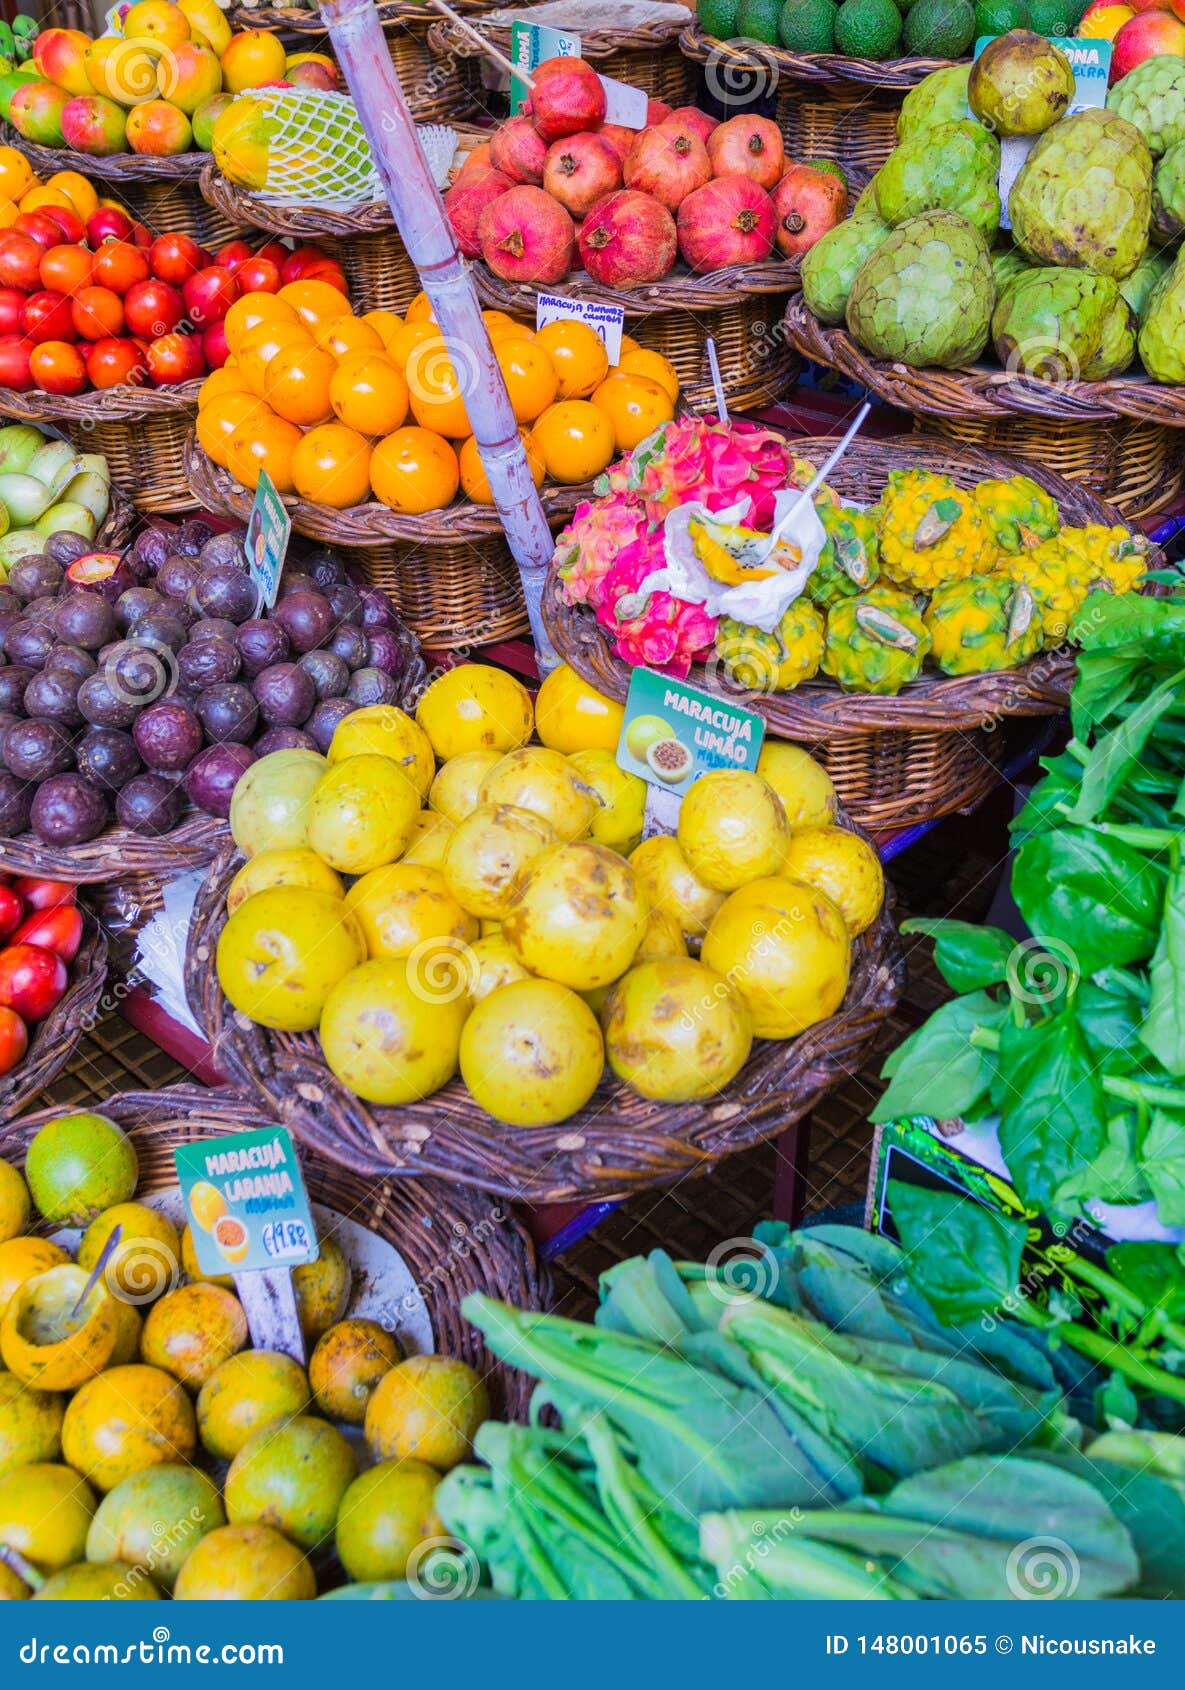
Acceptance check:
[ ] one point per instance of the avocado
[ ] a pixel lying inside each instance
(940, 29)
(718, 18)
(757, 20)
(808, 26)
(868, 29)
(997, 17)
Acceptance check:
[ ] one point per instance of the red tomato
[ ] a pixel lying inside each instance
(112, 363)
(47, 316)
(174, 258)
(209, 295)
(58, 930)
(258, 275)
(119, 265)
(38, 227)
(66, 268)
(328, 272)
(97, 313)
(12, 305)
(14, 362)
(58, 367)
(32, 980)
(68, 221)
(14, 1039)
(20, 261)
(41, 894)
(107, 223)
(175, 358)
(142, 235)
(12, 912)
(214, 347)
(232, 255)
(153, 308)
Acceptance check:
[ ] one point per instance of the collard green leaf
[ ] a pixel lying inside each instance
(1152, 1512)
(961, 1256)
(1097, 897)
(1053, 1115)
(1163, 1031)
(968, 957)
(1162, 1162)
(938, 1071)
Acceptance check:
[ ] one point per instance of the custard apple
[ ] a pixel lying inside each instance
(1152, 97)
(1137, 288)
(829, 268)
(1050, 322)
(848, 562)
(985, 622)
(1168, 196)
(1083, 196)
(1007, 265)
(925, 295)
(1117, 344)
(938, 98)
(1162, 328)
(774, 662)
(876, 642)
(952, 167)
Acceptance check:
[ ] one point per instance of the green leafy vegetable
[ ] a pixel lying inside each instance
(968, 957)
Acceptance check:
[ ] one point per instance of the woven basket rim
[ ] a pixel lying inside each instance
(52, 1042)
(444, 37)
(695, 43)
(618, 1143)
(676, 292)
(393, 15)
(818, 710)
(370, 524)
(983, 392)
(112, 167)
(112, 404)
(117, 851)
(423, 1220)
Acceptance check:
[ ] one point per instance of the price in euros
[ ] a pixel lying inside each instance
(282, 1239)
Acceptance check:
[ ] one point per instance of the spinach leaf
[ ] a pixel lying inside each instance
(1058, 785)
(1162, 1161)
(1114, 1175)
(1053, 1116)
(1153, 1271)
(938, 1071)
(1163, 1032)
(962, 1257)
(1110, 1024)
(1100, 898)
(967, 957)
(1105, 682)
(1152, 1510)
(1115, 754)
(1157, 626)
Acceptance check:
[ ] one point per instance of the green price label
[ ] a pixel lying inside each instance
(246, 1202)
(268, 533)
(673, 733)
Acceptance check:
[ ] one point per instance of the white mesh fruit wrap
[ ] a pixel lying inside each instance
(319, 154)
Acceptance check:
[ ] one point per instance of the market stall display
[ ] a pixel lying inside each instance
(389, 1361)
(53, 969)
(540, 849)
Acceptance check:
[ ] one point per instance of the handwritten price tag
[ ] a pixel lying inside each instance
(606, 320)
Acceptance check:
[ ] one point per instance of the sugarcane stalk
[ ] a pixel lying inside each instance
(419, 214)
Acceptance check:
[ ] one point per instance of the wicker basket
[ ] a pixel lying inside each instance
(925, 752)
(646, 56)
(452, 1241)
(726, 60)
(453, 597)
(618, 1143)
(180, 208)
(52, 1041)
(1117, 437)
(115, 170)
(117, 852)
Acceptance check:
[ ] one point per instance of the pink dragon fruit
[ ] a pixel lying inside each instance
(593, 541)
(717, 463)
(652, 628)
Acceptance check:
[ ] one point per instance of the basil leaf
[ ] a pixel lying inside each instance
(1163, 1032)
(1116, 753)
(967, 957)
(1162, 1161)
(1053, 1117)
(963, 1258)
(938, 1071)
(1099, 898)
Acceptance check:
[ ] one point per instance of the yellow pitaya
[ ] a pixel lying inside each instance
(932, 531)
(985, 622)
(875, 642)
(1057, 582)
(775, 662)
(848, 562)
(1019, 512)
(1109, 560)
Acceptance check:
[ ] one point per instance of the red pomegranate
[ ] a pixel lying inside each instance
(628, 240)
(657, 111)
(580, 170)
(467, 199)
(806, 204)
(668, 161)
(567, 97)
(748, 146)
(619, 138)
(526, 236)
(518, 151)
(728, 221)
(696, 119)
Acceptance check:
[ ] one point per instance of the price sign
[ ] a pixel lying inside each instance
(530, 44)
(673, 733)
(606, 320)
(266, 542)
(246, 1202)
